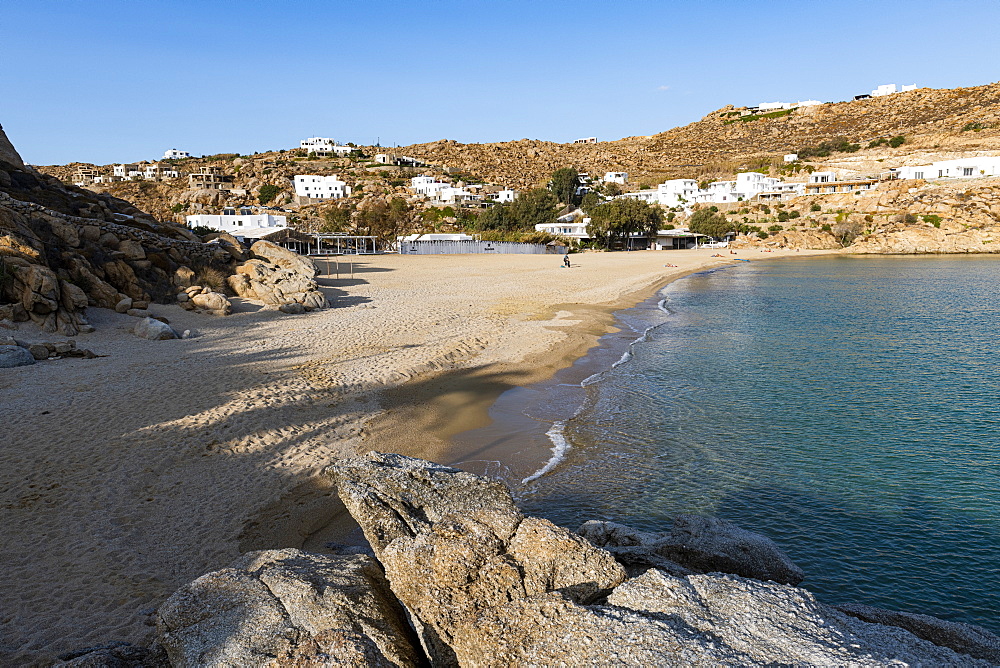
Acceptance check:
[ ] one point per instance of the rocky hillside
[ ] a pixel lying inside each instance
(63, 249)
(723, 141)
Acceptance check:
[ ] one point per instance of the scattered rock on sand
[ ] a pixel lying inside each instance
(213, 301)
(39, 351)
(114, 655)
(695, 544)
(11, 356)
(154, 330)
(287, 607)
(124, 305)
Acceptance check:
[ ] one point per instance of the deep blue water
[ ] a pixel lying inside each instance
(847, 407)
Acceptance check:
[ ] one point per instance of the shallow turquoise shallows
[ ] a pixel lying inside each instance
(847, 407)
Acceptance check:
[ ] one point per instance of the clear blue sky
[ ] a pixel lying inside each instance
(109, 81)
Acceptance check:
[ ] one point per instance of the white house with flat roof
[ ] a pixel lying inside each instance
(324, 146)
(616, 177)
(314, 186)
(174, 154)
(890, 89)
(427, 186)
(960, 168)
(126, 171)
(237, 224)
(504, 196)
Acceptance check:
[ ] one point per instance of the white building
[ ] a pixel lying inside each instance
(616, 177)
(961, 168)
(238, 224)
(157, 172)
(324, 146)
(570, 226)
(890, 89)
(452, 195)
(586, 140)
(504, 196)
(321, 187)
(427, 186)
(127, 172)
(174, 154)
(791, 157)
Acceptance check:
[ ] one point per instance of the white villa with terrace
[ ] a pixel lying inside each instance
(748, 185)
(616, 177)
(961, 168)
(313, 186)
(174, 154)
(324, 146)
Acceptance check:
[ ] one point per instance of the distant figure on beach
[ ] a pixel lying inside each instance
(566, 261)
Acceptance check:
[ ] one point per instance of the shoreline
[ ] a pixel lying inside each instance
(410, 414)
(128, 475)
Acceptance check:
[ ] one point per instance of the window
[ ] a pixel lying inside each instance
(967, 171)
(918, 175)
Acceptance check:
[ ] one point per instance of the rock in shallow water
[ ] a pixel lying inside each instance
(695, 544)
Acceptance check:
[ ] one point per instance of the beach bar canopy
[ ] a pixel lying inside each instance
(343, 244)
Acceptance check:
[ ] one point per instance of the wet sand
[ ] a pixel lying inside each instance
(126, 476)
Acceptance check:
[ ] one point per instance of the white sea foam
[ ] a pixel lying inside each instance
(560, 446)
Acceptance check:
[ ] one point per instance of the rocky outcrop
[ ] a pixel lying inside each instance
(7, 151)
(277, 276)
(963, 638)
(288, 608)
(460, 555)
(486, 586)
(695, 544)
(114, 655)
(64, 249)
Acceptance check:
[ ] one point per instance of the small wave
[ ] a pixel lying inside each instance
(560, 446)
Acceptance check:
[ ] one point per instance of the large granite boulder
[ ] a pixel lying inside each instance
(292, 283)
(284, 258)
(695, 544)
(486, 586)
(288, 608)
(7, 151)
(458, 553)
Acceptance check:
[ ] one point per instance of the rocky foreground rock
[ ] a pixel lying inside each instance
(462, 578)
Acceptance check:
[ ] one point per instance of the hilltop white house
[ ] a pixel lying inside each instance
(616, 177)
(174, 154)
(324, 146)
(890, 89)
(961, 168)
(313, 186)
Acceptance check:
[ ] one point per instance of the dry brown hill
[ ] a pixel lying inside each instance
(722, 142)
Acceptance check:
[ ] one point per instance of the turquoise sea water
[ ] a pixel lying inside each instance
(847, 407)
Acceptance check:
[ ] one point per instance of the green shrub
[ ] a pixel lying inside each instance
(267, 193)
(775, 228)
(794, 214)
(765, 209)
(762, 235)
(815, 207)
(782, 216)
(177, 208)
(826, 227)
(201, 230)
(933, 219)
(897, 141)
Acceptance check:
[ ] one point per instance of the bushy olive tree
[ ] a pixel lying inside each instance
(619, 219)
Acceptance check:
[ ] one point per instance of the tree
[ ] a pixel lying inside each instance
(564, 184)
(712, 223)
(590, 200)
(337, 219)
(531, 208)
(384, 220)
(619, 219)
(267, 192)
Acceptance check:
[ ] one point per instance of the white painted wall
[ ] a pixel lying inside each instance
(237, 223)
(321, 187)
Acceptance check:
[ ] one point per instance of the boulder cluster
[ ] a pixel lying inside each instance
(458, 576)
(14, 352)
(279, 277)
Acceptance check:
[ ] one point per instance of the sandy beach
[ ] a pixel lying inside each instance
(125, 476)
